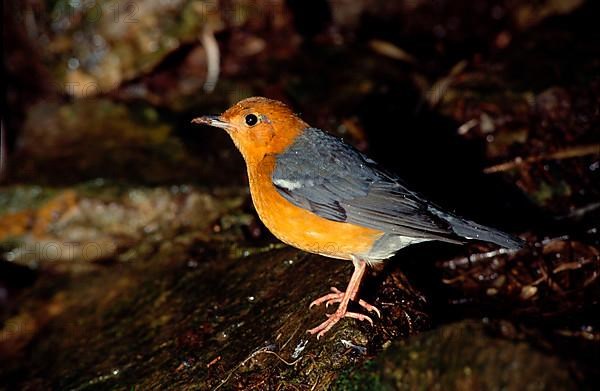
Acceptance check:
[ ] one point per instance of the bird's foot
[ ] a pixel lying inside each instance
(337, 296)
(324, 327)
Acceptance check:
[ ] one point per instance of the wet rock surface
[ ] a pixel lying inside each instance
(198, 303)
(118, 141)
(195, 314)
(485, 362)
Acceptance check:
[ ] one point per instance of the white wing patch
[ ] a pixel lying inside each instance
(287, 184)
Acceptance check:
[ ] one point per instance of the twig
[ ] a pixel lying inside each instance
(314, 387)
(390, 50)
(290, 338)
(211, 47)
(568, 153)
(250, 357)
(214, 361)
(441, 86)
(282, 359)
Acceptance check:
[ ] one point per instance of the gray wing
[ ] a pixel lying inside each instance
(320, 173)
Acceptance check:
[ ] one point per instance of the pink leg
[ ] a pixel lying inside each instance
(344, 298)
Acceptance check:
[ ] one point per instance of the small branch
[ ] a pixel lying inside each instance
(568, 153)
(390, 50)
(250, 357)
(213, 58)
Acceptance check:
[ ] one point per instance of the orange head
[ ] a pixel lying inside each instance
(258, 126)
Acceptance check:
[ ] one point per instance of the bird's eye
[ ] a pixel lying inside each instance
(251, 120)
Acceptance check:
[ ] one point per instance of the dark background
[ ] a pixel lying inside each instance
(489, 108)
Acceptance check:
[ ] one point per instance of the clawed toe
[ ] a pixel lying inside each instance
(369, 307)
(358, 316)
(337, 296)
(354, 315)
(332, 319)
(329, 298)
(324, 327)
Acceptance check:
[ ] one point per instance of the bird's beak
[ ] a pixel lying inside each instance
(212, 120)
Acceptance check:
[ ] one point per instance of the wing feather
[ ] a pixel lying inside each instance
(337, 182)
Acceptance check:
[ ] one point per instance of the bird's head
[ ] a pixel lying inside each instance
(258, 126)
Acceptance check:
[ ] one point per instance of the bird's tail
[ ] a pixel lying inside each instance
(471, 230)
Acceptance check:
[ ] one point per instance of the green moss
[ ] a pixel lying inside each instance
(21, 197)
(367, 378)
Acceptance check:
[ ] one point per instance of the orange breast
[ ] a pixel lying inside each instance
(301, 228)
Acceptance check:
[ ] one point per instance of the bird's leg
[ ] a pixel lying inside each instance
(337, 296)
(344, 298)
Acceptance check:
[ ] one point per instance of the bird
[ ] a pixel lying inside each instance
(321, 195)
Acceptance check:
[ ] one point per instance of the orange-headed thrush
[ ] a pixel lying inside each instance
(321, 195)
